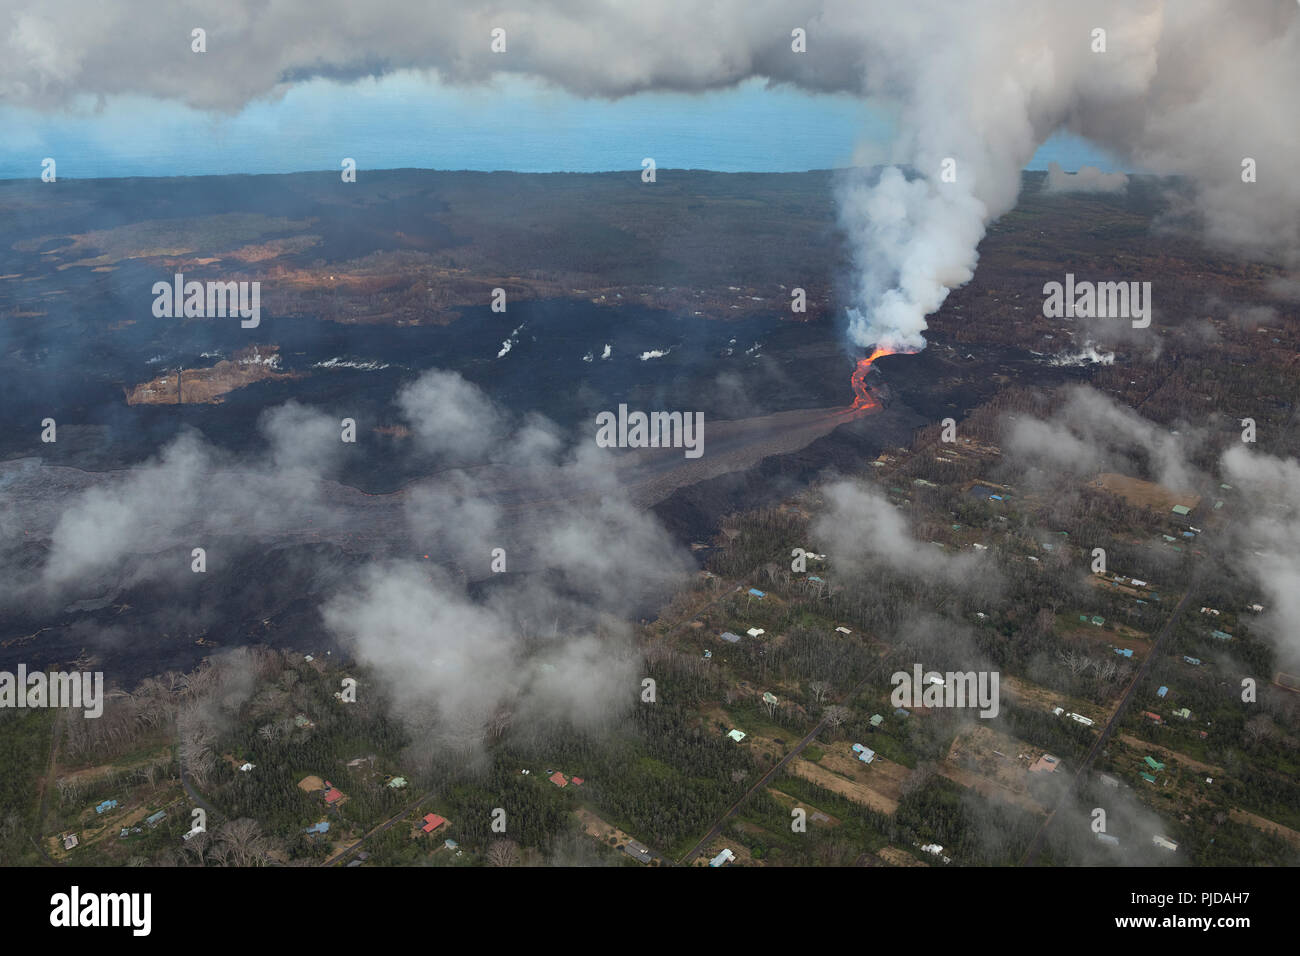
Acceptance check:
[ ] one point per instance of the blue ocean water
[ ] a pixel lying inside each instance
(406, 120)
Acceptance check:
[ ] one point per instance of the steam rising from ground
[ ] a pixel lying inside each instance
(1270, 539)
(1191, 88)
(551, 644)
(1091, 433)
(862, 532)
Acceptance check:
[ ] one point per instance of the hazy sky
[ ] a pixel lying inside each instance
(406, 119)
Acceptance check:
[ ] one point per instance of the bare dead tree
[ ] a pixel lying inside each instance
(503, 853)
(243, 842)
(918, 778)
(1258, 729)
(837, 714)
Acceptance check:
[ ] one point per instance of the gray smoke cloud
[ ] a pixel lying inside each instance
(1092, 433)
(1190, 88)
(551, 644)
(1269, 542)
(554, 646)
(861, 531)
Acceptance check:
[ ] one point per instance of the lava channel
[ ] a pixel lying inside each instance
(862, 397)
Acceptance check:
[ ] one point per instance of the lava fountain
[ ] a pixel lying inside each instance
(862, 398)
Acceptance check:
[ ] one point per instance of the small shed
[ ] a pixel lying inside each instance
(730, 638)
(736, 735)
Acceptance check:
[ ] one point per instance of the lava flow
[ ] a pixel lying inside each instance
(862, 398)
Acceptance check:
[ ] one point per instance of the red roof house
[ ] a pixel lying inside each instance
(333, 795)
(557, 778)
(432, 821)
(577, 781)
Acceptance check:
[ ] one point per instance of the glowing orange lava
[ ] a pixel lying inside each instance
(861, 394)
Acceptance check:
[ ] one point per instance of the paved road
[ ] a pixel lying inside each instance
(1031, 855)
(401, 814)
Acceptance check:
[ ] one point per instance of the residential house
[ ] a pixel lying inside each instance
(637, 851)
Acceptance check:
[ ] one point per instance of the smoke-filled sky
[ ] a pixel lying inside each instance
(1188, 88)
